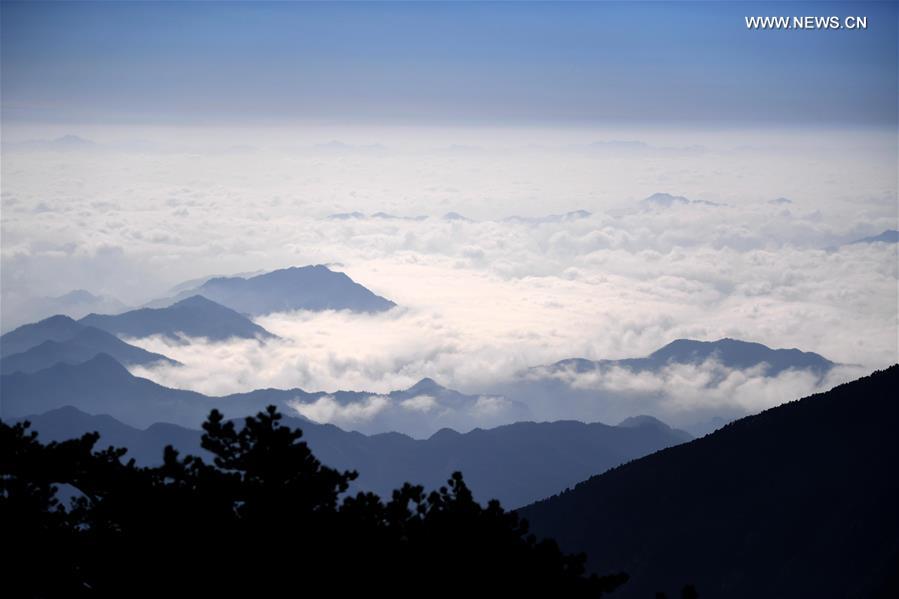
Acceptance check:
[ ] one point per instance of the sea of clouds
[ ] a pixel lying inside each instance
(759, 253)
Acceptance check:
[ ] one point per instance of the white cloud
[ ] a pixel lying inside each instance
(327, 409)
(420, 403)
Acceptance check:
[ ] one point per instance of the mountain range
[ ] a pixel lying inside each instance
(102, 385)
(797, 501)
(516, 463)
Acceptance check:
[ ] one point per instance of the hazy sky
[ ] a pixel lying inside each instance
(674, 63)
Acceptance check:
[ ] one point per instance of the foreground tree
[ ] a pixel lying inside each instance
(265, 518)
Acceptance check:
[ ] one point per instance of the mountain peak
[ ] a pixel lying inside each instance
(425, 385)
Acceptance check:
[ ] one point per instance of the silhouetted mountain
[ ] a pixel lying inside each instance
(81, 347)
(516, 463)
(297, 288)
(195, 316)
(730, 353)
(798, 501)
(888, 236)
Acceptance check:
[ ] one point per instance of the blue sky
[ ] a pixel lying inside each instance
(674, 63)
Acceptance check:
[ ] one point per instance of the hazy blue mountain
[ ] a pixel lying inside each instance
(731, 353)
(195, 316)
(54, 328)
(297, 288)
(798, 501)
(103, 386)
(457, 217)
(888, 236)
(81, 347)
(516, 463)
(644, 420)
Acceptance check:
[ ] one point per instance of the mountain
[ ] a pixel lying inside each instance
(420, 411)
(66, 143)
(19, 310)
(81, 347)
(731, 353)
(103, 386)
(798, 501)
(297, 288)
(611, 390)
(888, 236)
(54, 328)
(195, 316)
(516, 463)
(666, 200)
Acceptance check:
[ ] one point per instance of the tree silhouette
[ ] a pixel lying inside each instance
(264, 518)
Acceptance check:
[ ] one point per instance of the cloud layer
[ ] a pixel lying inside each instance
(484, 297)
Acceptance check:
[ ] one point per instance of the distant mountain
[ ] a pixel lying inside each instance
(297, 288)
(76, 304)
(651, 422)
(195, 316)
(611, 390)
(888, 236)
(516, 463)
(420, 410)
(81, 347)
(666, 200)
(66, 143)
(103, 386)
(731, 353)
(54, 328)
(457, 217)
(798, 501)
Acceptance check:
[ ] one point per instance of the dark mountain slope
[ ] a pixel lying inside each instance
(195, 316)
(798, 501)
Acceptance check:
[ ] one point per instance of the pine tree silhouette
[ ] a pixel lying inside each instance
(264, 518)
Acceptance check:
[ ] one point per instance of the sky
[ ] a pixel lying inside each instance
(147, 144)
(415, 63)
